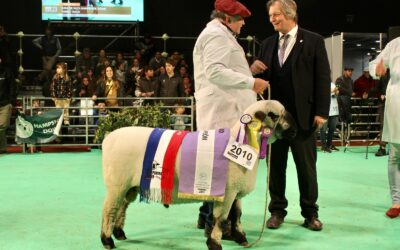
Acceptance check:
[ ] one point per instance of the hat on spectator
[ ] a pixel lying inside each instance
(348, 68)
(366, 69)
(232, 8)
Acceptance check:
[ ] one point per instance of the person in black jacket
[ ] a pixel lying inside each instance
(380, 88)
(295, 63)
(345, 86)
(8, 98)
(51, 49)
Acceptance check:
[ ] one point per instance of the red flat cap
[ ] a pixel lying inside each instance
(232, 7)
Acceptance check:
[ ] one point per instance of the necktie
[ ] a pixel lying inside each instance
(283, 48)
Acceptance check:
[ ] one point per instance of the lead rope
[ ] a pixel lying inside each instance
(267, 188)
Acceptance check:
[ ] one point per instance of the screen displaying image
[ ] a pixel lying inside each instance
(93, 10)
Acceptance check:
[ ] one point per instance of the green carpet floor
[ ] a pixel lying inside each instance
(54, 201)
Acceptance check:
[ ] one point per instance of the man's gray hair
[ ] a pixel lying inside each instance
(289, 8)
(221, 15)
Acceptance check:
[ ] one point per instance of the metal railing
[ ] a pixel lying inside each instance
(165, 39)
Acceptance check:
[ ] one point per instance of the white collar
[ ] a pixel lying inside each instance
(291, 33)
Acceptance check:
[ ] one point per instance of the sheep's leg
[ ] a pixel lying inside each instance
(221, 211)
(238, 234)
(118, 231)
(110, 207)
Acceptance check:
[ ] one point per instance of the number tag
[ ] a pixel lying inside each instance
(242, 154)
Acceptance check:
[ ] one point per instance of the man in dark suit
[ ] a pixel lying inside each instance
(295, 62)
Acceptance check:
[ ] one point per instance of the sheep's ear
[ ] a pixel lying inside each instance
(260, 115)
(273, 116)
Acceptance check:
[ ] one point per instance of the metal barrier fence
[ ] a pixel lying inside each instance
(83, 125)
(76, 38)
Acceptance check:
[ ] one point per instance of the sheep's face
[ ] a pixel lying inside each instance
(274, 116)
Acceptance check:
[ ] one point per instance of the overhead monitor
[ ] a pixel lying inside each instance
(93, 10)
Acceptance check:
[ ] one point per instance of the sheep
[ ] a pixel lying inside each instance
(123, 154)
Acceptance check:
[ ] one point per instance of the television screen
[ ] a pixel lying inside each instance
(93, 10)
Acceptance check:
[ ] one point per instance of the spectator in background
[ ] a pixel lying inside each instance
(176, 57)
(85, 62)
(344, 84)
(102, 75)
(109, 90)
(8, 95)
(147, 85)
(120, 73)
(161, 71)
(61, 90)
(133, 76)
(330, 125)
(145, 46)
(157, 62)
(363, 84)
(389, 58)
(51, 49)
(120, 59)
(179, 119)
(86, 88)
(100, 62)
(169, 84)
(187, 86)
(5, 47)
(183, 71)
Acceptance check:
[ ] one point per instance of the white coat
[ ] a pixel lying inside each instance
(391, 58)
(223, 80)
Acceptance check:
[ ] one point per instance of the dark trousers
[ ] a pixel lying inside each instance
(344, 103)
(304, 152)
(327, 136)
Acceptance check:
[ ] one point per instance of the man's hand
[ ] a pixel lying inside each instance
(260, 85)
(258, 67)
(380, 69)
(319, 121)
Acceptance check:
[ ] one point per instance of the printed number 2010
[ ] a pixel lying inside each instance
(238, 151)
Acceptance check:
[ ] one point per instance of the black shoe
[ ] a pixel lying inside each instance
(313, 224)
(275, 221)
(326, 150)
(381, 152)
(333, 148)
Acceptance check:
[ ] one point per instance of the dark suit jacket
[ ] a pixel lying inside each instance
(310, 74)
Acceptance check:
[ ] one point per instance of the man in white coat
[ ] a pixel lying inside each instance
(224, 83)
(389, 58)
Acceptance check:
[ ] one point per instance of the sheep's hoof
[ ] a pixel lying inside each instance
(119, 234)
(213, 245)
(240, 238)
(108, 242)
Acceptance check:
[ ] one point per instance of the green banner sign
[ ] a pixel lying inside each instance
(41, 128)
